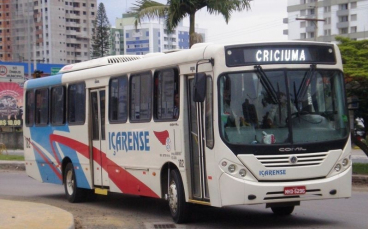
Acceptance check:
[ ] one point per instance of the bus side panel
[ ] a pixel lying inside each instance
(29, 156)
(135, 157)
(47, 147)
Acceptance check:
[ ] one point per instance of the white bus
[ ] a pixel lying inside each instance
(216, 125)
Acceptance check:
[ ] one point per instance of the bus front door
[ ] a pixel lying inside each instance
(98, 104)
(199, 183)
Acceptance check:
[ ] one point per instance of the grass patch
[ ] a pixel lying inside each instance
(360, 168)
(11, 157)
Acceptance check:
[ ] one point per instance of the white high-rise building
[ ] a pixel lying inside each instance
(152, 36)
(53, 31)
(322, 20)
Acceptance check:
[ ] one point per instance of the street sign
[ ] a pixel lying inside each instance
(54, 71)
(11, 73)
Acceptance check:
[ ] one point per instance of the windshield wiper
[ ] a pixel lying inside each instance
(308, 78)
(266, 84)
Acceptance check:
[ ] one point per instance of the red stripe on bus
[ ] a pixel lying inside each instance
(126, 182)
(57, 172)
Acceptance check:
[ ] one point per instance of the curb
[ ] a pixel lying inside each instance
(13, 166)
(360, 179)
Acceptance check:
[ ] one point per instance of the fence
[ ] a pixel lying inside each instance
(12, 140)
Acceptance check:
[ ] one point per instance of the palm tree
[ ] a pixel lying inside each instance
(176, 10)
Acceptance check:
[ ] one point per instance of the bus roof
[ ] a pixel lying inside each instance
(99, 62)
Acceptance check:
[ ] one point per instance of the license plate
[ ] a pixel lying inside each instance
(299, 190)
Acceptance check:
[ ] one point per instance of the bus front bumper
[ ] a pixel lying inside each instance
(235, 191)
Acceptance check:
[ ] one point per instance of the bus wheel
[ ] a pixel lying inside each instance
(282, 211)
(73, 193)
(177, 204)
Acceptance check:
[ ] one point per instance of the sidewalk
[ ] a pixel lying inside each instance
(18, 214)
(358, 156)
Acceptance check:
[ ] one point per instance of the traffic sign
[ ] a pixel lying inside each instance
(55, 71)
(11, 73)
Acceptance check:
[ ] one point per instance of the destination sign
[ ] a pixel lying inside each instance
(279, 54)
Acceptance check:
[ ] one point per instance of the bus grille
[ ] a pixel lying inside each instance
(286, 160)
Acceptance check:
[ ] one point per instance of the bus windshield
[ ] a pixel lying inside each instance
(287, 106)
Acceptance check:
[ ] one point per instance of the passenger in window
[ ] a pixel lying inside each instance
(176, 106)
(249, 114)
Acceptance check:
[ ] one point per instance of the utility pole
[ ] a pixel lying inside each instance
(314, 20)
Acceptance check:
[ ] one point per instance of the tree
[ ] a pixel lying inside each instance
(176, 10)
(101, 31)
(355, 61)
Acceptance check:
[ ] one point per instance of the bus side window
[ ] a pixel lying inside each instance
(77, 103)
(42, 106)
(58, 105)
(141, 97)
(118, 99)
(30, 105)
(166, 94)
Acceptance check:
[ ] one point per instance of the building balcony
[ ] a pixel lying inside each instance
(72, 24)
(82, 35)
(71, 32)
(310, 29)
(38, 48)
(342, 13)
(344, 24)
(311, 16)
(72, 16)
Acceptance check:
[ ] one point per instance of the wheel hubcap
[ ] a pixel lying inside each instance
(69, 182)
(173, 197)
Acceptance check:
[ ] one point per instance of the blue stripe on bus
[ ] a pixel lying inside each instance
(44, 81)
(40, 136)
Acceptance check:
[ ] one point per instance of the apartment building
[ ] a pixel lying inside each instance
(5, 31)
(152, 36)
(46, 31)
(322, 20)
(117, 33)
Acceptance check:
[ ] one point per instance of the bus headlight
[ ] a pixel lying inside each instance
(345, 162)
(242, 172)
(337, 167)
(231, 168)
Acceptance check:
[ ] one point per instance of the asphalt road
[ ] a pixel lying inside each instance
(124, 211)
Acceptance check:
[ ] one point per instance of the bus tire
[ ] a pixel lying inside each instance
(72, 192)
(283, 211)
(178, 206)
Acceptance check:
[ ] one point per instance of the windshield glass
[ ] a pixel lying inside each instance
(282, 106)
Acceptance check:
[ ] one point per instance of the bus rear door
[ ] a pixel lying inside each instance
(98, 104)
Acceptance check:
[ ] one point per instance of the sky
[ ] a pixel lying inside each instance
(263, 22)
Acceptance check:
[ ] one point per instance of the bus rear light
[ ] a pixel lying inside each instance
(231, 168)
(337, 167)
(242, 172)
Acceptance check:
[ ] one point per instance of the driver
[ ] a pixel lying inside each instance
(278, 113)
